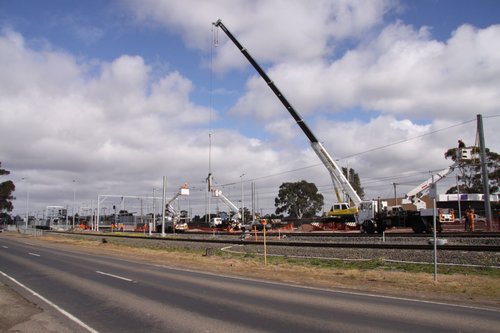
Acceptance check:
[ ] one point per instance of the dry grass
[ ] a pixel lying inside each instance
(457, 288)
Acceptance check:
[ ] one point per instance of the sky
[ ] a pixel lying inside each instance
(108, 97)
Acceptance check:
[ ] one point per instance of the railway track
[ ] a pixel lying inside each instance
(290, 242)
(364, 235)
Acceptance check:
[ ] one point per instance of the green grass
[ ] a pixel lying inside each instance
(336, 264)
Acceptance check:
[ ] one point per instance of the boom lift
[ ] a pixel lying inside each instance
(236, 218)
(338, 178)
(413, 196)
(173, 223)
(235, 210)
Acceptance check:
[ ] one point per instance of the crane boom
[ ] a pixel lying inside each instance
(424, 187)
(462, 155)
(336, 174)
(229, 203)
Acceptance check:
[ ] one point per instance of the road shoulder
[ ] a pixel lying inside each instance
(21, 312)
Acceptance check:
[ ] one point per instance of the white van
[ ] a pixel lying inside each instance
(215, 222)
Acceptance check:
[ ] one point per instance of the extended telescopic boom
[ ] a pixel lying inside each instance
(336, 174)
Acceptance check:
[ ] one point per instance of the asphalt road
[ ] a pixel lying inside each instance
(107, 294)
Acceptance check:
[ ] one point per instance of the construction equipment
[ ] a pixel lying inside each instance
(235, 219)
(369, 216)
(463, 155)
(338, 178)
(173, 222)
(236, 215)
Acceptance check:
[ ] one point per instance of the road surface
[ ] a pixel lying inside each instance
(107, 294)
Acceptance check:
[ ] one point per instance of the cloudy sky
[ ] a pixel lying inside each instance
(107, 97)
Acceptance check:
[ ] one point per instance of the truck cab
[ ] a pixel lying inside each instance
(215, 222)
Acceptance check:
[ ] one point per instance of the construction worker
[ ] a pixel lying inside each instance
(461, 144)
(470, 216)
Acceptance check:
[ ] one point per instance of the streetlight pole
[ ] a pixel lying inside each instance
(458, 202)
(153, 224)
(242, 201)
(74, 202)
(163, 204)
(27, 201)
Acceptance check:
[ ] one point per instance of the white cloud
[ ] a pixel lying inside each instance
(111, 126)
(402, 72)
(274, 31)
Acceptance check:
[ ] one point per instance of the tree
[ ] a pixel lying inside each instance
(6, 189)
(299, 199)
(354, 180)
(470, 172)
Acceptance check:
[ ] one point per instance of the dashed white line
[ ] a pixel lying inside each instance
(115, 276)
(5, 247)
(64, 312)
(34, 254)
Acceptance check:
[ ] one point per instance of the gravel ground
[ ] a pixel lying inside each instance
(424, 256)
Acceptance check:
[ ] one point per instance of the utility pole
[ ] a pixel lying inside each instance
(242, 201)
(484, 171)
(74, 203)
(395, 197)
(27, 202)
(433, 195)
(253, 201)
(153, 224)
(458, 202)
(163, 206)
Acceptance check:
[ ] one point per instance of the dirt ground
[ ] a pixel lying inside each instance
(475, 290)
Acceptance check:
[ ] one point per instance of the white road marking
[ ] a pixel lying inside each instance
(115, 276)
(64, 312)
(33, 254)
(5, 247)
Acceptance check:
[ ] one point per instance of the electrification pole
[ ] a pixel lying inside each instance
(484, 171)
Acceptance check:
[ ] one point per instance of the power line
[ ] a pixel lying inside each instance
(409, 139)
(357, 154)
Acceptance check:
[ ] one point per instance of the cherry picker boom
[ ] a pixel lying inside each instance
(463, 155)
(338, 178)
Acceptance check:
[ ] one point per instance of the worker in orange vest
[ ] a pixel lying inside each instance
(470, 217)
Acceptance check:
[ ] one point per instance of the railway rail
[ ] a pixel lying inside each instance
(287, 242)
(363, 235)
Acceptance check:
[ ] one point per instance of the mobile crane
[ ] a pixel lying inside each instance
(369, 216)
(338, 178)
